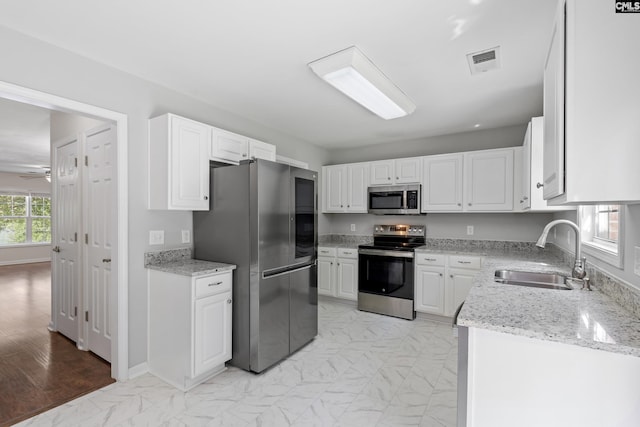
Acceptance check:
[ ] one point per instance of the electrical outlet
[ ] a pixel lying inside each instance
(186, 236)
(353, 227)
(636, 263)
(469, 230)
(156, 237)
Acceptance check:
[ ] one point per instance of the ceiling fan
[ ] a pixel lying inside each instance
(46, 174)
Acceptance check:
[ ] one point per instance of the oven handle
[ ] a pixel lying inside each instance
(382, 252)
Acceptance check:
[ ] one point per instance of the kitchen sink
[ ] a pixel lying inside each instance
(533, 279)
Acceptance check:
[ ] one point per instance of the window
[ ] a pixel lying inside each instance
(602, 232)
(25, 218)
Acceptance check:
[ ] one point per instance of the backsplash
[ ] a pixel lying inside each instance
(344, 239)
(621, 292)
(168, 255)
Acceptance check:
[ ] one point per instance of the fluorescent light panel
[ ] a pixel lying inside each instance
(352, 73)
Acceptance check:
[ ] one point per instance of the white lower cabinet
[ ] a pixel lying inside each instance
(442, 282)
(189, 326)
(338, 272)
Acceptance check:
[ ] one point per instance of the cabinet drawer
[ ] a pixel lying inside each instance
(211, 285)
(461, 261)
(430, 259)
(326, 251)
(347, 253)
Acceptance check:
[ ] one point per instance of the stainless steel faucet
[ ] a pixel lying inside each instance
(579, 267)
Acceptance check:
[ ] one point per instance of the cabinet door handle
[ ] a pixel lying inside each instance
(206, 197)
(106, 259)
(525, 198)
(464, 262)
(215, 284)
(429, 259)
(56, 249)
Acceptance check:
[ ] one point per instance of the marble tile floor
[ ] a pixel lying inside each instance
(362, 370)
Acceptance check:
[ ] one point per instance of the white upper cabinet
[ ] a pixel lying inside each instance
(599, 113)
(488, 180)
(529, 193)
(345, 188)
(381, 172)
(178, 163)
(229, 147)
(397, 171)
(442, 183)
(408, 171)
(261, 150)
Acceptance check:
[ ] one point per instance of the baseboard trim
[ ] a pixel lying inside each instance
(25, 261)
(138, 370)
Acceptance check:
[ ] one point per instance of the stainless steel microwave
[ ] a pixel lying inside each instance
(394, 200)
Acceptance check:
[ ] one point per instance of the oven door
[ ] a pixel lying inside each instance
(386, 273)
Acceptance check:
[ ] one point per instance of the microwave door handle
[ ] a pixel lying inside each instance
(404, 200)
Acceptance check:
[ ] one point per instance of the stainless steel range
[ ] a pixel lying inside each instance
(386, 270)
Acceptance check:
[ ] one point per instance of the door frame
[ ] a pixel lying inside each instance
(119, 314)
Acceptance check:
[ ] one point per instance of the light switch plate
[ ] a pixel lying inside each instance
(469, 230)
(353, 227)
(186, 236)
(636, 262)
(156, 237)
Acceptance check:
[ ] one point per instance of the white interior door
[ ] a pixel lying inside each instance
(99, 211)
(66, 226)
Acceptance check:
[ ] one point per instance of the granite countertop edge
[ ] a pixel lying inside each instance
(577, 317)
(192, 267)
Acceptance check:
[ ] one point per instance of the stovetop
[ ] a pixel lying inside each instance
(397, 237)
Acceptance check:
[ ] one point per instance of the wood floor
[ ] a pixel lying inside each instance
(38, 369)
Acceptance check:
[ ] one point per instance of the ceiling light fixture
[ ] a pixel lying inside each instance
(353, 74)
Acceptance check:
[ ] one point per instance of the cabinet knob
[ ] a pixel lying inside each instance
(56, 249)
(389, 178)
(348, 206)
(459, 204)
(397, 177)
(244, 154)
(451, 275)
(539, 185)
(206, 197)
(521, 201)
(229, 301)
(525, 198)
(341, 206)
(469, 204)
(441, 274)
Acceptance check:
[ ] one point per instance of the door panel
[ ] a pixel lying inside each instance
(100, 211)
(303, 219)
(304, 307)
(270, 317)
(273, 214)
(66, 226)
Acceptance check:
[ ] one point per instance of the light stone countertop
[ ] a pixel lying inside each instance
(192, 267)
(179, 261)
(577, 317)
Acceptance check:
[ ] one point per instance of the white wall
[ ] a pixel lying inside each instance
(565, 239)
(26, 253)
(495, 226)
(65, 125)
(72, 76)
(467, 141)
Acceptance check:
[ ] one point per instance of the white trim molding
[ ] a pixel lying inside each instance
(120, 341)
(612, 254)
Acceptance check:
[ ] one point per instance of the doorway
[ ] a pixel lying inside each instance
(118, 266)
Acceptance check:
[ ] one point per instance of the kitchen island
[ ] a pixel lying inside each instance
(533, 357)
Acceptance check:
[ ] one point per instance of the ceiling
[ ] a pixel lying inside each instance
(24, 138)
(250, 57)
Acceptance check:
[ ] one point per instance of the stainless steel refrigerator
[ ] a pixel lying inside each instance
(263, 218)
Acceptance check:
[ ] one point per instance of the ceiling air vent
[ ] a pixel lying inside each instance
(485, 60)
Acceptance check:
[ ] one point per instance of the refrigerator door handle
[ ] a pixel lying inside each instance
(286, 270)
